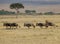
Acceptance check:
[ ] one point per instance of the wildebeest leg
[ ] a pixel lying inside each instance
(34, 26)
(16, 26)
(10, 27)
(6, 27)
(28, 27)
(41, 27)
(46, 27)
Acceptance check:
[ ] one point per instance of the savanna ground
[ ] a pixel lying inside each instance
(24, 35)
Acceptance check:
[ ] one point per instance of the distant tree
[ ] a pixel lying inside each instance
(27, 11)
(33, 11)
(3, 12)
(16, 6)
(30, 11)
(49, 13)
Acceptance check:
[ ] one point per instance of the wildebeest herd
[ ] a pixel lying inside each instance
(41, 25)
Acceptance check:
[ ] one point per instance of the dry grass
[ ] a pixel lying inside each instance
(24, 35)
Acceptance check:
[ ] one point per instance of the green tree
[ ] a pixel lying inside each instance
(30, 11)
(27, 11)
(16, 6)
(49, 13)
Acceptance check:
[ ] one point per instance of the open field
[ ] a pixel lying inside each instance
(24, 35)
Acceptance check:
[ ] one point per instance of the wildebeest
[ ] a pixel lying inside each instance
(50, 24)
(10, 25)
(29, 25)
(41, 25)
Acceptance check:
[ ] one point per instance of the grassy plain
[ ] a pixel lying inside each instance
(24, 35)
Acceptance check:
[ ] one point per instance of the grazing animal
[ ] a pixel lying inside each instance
(14, 25)
(50, 24)
(29, 25)
(10, 25)
(40, 24)
(7, 25)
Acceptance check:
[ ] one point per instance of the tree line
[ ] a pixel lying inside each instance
(4, 12)
(18, 6)
(27, 12)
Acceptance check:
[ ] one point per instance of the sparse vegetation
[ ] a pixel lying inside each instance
(49, 13)
(3, 12)
(30, 36)
(29, 12)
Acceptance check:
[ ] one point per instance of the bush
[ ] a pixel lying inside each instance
(30, 11)
(6, 12)
(48, 13)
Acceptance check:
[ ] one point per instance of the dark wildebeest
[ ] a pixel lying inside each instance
(50, 24)
(7, 25)
(14, 25)
(40, 25)
(10, 25)
(29, 25)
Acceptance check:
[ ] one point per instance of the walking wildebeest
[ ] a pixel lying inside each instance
(10, 25)
(29, 25)
(50, 24)
(40, 25)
